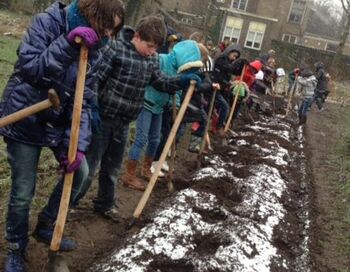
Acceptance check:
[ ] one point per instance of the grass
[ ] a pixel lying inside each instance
(8, 57)
(340, 160)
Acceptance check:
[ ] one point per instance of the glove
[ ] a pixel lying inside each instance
(70, 168)
(237, 66)
(89, 36)
(186, 78)
(240, 89)
(95, 118)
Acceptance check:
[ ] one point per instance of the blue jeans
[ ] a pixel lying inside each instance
(106, 150)
(166, 125)
(148, 127)
(305, 106)
(222, 106)
(23, 159)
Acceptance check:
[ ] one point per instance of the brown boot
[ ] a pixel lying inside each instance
(146, 167)
(221, 132)
(129, 177)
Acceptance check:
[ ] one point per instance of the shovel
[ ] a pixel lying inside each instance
(52, 101)
(290, 98)
(173, 150)
(171, 138)
(210, 113)
(228, 123)
(56, 262)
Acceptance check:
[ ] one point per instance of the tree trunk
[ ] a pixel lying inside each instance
(342, 43)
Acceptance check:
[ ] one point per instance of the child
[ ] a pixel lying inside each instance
(129, 64)
(226, 66)
(48, 58)
(308, 82)
(321, 91)
(185, 56)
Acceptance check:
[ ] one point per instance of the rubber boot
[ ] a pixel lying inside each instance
(15, 261)
(146, 167)
(129, 177)
(44, 232)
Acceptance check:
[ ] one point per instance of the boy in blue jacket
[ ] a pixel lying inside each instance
(184, 56)
(48, 58)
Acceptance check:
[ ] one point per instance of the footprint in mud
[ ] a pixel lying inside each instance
(163, 264)
(211, 216)
(209, 244)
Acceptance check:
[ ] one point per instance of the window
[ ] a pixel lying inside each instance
(289, 38)
(255, 35)
(187, 21)
(239, 4)
(332, 47)
(297, 11)
(233, 29)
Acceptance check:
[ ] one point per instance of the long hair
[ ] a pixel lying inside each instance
(102, 14)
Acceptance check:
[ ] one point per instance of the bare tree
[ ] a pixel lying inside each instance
(344, 36)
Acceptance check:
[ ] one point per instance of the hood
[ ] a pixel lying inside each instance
(231, 48)
(319, 65)
(256, 64)
(306, 72)
(186, 55)
(55, 11)
(126, 34)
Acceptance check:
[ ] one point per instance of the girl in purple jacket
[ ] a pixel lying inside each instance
(48, 58)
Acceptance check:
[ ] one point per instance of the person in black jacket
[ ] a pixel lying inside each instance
(227, 65)
(321, 91)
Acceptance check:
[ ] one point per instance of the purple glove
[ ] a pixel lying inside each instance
(89, 36)
(70, 168)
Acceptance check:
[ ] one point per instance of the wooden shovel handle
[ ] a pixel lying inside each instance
(52, 101)
(228, 123)
(210, 113)
(167, 146)
(72, 151)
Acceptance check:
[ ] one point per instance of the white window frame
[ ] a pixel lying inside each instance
(187, 21)
(289, 40)
(255, 34)
(239, 4)
(231, 34)
(302, 16)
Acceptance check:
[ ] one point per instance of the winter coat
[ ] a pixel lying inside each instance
(322, 82)
(185, 55)
(249, 75)
(224, 68)
(124, 75)
(46, 60)
(308, 84)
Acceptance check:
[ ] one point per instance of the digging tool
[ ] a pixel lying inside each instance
(56, 261)
(165, 151)
(173, 150)
(273, 98)
(291, 94)
(228, 123)
(211, 108)
(53, 101)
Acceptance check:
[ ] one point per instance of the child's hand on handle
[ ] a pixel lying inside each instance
(216, 86)
(89, 36)
(71, 167)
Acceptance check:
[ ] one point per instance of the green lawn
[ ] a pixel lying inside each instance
(8, 46)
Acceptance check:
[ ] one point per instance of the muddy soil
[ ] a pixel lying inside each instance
(246, 209)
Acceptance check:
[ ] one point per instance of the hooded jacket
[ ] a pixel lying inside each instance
(184, 56)
(47, 60)
(322, 82)
(308, 83)
(224, 68)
